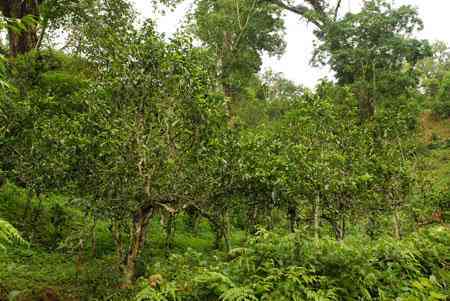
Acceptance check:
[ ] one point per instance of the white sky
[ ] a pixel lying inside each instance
(294, 64)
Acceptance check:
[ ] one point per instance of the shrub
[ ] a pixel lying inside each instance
(441, 107)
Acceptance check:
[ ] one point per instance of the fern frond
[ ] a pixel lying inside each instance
(9, 235)
(150, 294)
(238, 294)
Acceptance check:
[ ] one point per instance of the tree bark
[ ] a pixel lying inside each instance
(25, 40)
(138, 233)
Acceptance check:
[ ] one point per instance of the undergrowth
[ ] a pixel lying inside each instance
(292, 267)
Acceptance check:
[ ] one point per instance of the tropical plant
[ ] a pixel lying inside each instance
(9, 235)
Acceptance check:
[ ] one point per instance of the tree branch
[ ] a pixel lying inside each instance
(336, 10)
(303, 10)
(42, 34)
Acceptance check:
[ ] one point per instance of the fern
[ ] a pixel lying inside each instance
(151, 294)
(9, 235)
(215, 281)
(167, 292)
(238, 294)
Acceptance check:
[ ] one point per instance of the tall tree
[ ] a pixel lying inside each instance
(372, 50)
(238, 32)
(148, 116)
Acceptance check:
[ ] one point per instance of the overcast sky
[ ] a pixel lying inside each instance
(295, 62)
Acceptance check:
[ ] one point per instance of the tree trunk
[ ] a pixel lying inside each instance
(170, 232)
(227, 241)
(222, 232)
(80, 257)
(227, 231)
(25, 40)
(117, 237)
(270, 221)
(366, 107)
(28, 207)
(397, 226)
(94, 237)
(192, 219)
(252, 215)
(217, 235)
(371, 225)
(339, 228)
(293, 218)
(138, 235)
(317, 218)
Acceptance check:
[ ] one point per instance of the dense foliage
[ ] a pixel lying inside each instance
(142, 167)
(277, 267)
